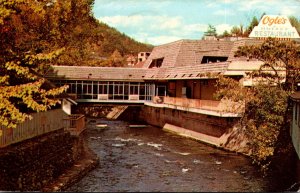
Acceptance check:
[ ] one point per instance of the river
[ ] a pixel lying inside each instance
(149, 159)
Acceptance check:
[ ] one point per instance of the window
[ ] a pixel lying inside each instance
(156, 63)
(212, 59)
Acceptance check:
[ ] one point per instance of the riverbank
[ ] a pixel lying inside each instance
(149, 159)
(87, 161)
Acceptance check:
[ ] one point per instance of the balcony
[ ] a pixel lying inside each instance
(223, 108)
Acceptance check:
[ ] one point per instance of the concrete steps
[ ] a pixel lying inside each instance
(116, 112)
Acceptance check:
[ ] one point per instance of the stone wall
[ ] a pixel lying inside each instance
(101, 111)
(92, 110)
(29, 165)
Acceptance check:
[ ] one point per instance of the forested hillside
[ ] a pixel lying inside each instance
(44, 25)
(87, 40)
(37, 33)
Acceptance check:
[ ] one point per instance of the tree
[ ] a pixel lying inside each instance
(254, 22)
(237, 31)
(240, 31)
(211, 31)
(226, 34)
(25, 56)
(266, 115)
(116, 59)
(295, 23)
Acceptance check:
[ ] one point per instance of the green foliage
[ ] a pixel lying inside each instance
(87, 41)
(229, 88)
(226, 34)
(36, 34)
(278, 57)
(295, 23)
(264, 117)
(266, 102)
(251, 26)
(237, 31)
(240, 31)
(211, 31)
(25, 56)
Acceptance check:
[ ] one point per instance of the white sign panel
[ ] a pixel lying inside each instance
(275, 26)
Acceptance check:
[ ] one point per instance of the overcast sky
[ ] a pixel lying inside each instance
(162, 21)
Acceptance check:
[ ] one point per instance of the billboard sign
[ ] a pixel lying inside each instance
(275, 26)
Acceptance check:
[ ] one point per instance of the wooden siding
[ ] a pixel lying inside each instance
(42, 122)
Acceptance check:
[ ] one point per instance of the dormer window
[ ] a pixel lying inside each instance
(156, 63)
(213, 59)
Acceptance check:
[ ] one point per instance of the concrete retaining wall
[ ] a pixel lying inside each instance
(206, 124)
(218, 131)
(223, 132)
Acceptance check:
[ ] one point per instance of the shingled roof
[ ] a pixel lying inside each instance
(188, 52)
(242, 42)
(187, 72)
(182, 60)
(97, 73)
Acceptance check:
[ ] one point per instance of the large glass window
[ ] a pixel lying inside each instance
(116, 90)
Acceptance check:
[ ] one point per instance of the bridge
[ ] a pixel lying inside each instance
(142, 93)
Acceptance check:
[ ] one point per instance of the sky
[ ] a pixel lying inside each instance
(158, 22)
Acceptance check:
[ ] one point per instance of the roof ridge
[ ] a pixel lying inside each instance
(179, 50)
(104, 67)
(170, 43)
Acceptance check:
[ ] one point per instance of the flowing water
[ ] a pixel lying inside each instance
(149, 159)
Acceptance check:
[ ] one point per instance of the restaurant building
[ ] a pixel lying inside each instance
(175, 86)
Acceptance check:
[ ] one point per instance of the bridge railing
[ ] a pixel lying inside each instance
(42, 122)
(75, 124)
(211, 105)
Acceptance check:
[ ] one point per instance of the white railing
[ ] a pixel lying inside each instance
(211, 105)
(133, 97)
